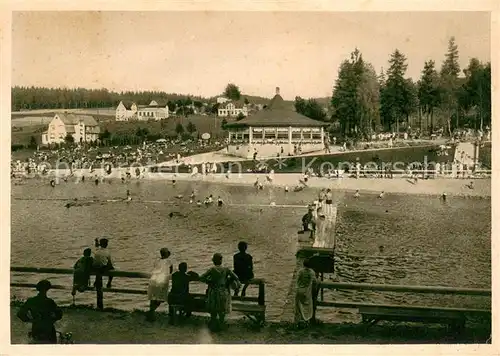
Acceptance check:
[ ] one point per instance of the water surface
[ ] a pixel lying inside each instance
(425, 241)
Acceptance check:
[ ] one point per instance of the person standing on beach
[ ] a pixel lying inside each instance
(243, 267)
(308, 222)
(306, 292)
(159, 283)
(328, 200)
(321, 196)
(42, 312)
(219, 279)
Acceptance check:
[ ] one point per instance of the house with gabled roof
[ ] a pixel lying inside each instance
(83, 128)
(232, 108)
(126, 110)
(156, 110)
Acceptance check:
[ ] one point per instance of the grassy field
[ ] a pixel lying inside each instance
(167, 127)
(51, 112)
(25, 127)
(89, 326)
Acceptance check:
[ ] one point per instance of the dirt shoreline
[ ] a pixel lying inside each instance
(90, 326)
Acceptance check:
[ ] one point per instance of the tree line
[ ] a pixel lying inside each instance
(31, 98)
(364, 102)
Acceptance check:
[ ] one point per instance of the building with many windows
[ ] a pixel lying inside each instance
(154, 111)
(83, 128)
(232, 109)
(275, 130)
(126, 110)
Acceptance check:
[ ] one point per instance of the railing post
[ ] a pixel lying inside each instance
(322, 289)
(99, 292)
(262, 293)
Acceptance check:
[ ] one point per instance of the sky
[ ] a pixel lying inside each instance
(198, 53)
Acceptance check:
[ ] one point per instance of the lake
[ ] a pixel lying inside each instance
(426, 242)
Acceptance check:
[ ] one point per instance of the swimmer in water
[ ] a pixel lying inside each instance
(123, 179)
(129, 198)
(177, 214)
(192, 197)
(381, 249)
(179, 196)
(470, 185)
(298, 188)
(443, 197)
(219, 201)
(96, 181)
(381, 195)
(52, 183)
(286, 189)
(198, 203)
(356, 195)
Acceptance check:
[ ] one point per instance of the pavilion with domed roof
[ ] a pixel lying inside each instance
(277, 130)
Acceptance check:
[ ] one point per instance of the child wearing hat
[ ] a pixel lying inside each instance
(42, 312)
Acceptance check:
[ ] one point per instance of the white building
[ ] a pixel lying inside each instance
(83, 128)
(276, 131)
(154, 111)
(126, 111)
(222, 100)
(232, 109)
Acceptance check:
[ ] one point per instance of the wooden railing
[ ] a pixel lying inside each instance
(402, 289)
(260, 299)
(400, 173)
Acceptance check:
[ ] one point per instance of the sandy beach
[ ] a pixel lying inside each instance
(437, 186)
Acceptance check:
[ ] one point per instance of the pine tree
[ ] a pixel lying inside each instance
(449, 83)
(429, 92)
(355, 97)
(398, 94)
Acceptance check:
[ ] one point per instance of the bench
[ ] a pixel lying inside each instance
(372, 315)
(245, 305)
(252, 307)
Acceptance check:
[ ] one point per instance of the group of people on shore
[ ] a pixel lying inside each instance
(42, 312)
(166, 286)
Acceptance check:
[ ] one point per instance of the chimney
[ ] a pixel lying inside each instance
(277, 90)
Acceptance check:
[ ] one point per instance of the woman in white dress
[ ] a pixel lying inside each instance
(159, 282)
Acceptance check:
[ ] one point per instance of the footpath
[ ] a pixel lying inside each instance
(90, 326)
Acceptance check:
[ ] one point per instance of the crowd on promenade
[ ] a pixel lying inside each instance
(88, 157)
